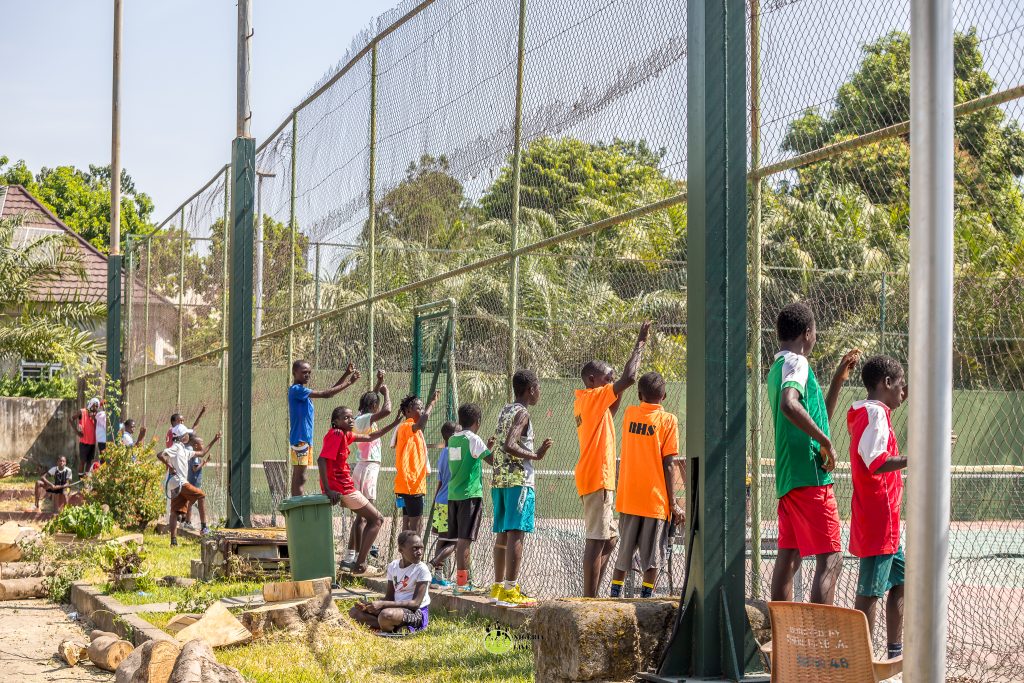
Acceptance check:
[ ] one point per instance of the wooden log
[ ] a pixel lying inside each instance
(294, 590)
(291, 615)
(10, 532)
(9, 469)
(20, 570)
(197, 664)
(180, 621)
(22, 589)
(71, 652)
(128, 538)
(107, 651)
(151, 662)
(218, 627)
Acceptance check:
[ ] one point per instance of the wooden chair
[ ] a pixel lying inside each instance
(817, 643)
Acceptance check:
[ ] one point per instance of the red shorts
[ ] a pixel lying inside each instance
(809, 521)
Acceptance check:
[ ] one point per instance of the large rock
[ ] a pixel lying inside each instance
(578, 639)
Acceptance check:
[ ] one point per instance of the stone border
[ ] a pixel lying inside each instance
(38, 517)
(516, 617)
(108, 614)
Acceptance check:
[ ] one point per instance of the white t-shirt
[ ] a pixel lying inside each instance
(179, 455)
(64, 478)
(406, 578)
(127, 439)
(366, 450)
(101, 427)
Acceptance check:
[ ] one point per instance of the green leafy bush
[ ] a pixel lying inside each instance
(129, 484)
(57, 387)
(125, 560)
(84, 521)
(63, 564)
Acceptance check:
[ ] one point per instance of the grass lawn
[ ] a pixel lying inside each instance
(451, 650)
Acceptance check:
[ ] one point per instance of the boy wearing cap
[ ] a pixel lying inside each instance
(176, 458)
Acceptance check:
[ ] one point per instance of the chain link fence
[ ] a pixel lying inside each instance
(528, 160)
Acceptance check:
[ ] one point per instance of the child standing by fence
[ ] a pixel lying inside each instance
(367, 454)
(875, 463)
(804, 459)
(465, 491)
(595, 471)
(445, 544)
(512, 491)
(411, 466)
(650, 444)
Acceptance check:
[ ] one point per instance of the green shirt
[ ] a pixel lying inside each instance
(465, 449)
(797, 456)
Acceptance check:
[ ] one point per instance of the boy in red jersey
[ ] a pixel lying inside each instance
(875, 463)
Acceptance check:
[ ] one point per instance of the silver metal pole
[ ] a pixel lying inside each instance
(115, 139)
(258, 277)
(930, 416)
(243, 112)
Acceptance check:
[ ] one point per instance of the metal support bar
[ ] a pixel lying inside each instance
(517, 162)
(224, 325)
(930, 420)
(181, 307)
(755, 300)
(881, 316)
(145, 331)
(316, 306)
(371, 227)
(127, 292)
(292, 232)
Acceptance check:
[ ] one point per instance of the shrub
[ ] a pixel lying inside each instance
(84, 521)
(129, 484)
(124, 562)
(56, 387)
(63, 564)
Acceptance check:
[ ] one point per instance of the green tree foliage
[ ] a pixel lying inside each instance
(82, 198)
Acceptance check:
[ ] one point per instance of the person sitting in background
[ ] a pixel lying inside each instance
(56, 486)
(406, 601)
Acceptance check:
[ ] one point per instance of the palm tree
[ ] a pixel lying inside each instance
(53, 332)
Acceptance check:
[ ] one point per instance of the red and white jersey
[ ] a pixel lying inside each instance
(875, 522)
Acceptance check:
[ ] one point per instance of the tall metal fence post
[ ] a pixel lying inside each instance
(127, 290)
(881, 316)
(145, 331)
(181, 309)
(316, 305)
(371, 332)
(754, 294)
(224, 326)
(292, 230)
(517, 160)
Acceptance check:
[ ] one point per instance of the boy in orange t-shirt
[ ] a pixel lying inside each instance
(645, 501)
(595, 470)
(411, 467)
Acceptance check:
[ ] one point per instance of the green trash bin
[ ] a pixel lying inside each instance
(310, 536)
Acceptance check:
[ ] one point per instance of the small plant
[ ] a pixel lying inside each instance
(63, 565)
(84, 521)
(195, 599)
(125, 563)
(129, 484)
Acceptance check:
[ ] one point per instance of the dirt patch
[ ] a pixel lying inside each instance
(30, 631)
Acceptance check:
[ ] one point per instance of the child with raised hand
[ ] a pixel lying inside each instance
(512, 490)
(198, 459)
(411, 466)
(373, 405)
(177, 419)
(650, 444)
(336, 480)
(406, 601)
(804, 459)
(445, 541)
(300, 417)
(593, 409)
(875, 464)
(176, 459)
(465, 491)
(128, 436)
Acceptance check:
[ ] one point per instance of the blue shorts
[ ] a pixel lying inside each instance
(880, 573)
(513, 509)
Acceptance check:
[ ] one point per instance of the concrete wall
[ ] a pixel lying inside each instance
(37, 429)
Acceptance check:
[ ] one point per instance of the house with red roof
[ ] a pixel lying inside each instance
(154, 337)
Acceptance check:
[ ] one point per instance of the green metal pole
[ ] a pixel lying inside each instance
(243, 192)
(181, 307)
(371, 333)
(224, 326)
(292, 229)
(127, 291)
(145, 331)
(517, 159)
(712, 639)
(114, 328)
(316, 306)
(755, 300)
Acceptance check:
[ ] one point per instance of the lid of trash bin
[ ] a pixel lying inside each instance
(303, 501)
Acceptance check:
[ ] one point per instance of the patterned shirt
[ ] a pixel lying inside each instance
(510, 471)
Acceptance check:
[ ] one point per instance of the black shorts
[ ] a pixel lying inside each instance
(464, 518)
(413, 504)
(100, 447)
(86, 454)
(55, 492)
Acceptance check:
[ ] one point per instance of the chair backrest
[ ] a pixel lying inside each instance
(812, 643)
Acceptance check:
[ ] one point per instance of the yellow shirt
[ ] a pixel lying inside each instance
(410, 460)
(649, 435)
(596, 467)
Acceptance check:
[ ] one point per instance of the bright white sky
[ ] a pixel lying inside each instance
(177, 81)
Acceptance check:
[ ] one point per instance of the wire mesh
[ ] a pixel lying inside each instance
(408, 167)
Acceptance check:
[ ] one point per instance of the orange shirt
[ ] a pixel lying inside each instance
(410, 460)
(596, 467)
(649, 435)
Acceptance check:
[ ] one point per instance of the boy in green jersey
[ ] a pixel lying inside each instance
(804, 459)
(465, 490)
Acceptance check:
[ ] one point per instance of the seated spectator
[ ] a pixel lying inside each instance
(54, 484)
